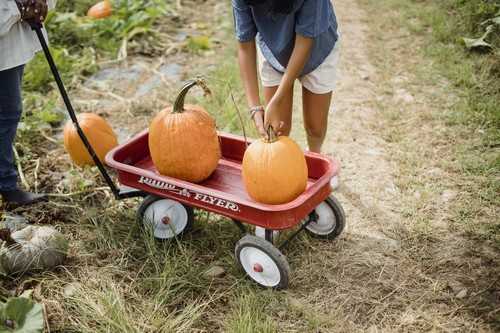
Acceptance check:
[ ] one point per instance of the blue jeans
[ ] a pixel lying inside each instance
(11, 107)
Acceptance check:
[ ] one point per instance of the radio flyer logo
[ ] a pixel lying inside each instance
(161, 185)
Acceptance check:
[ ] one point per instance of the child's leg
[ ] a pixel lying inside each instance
(286, 112)
(315, 109)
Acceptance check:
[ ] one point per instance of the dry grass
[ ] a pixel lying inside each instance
(405, 272)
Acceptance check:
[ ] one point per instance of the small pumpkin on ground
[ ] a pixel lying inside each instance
(100, 10)
(99, 134)
(274, 170)
(32, 249)
(183, 140)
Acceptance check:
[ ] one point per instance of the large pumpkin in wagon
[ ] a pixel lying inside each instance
(183, 140)
(274, 170)
(99, 134)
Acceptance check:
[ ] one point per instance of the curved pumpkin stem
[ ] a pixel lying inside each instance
(179, 102)
(272, 136)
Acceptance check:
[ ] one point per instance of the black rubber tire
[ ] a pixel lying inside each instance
(150, 199)
(340, 220)
(270, 250)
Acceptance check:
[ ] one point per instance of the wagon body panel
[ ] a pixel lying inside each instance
(223, 192)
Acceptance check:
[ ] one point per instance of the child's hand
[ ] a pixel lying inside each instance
(258, 119)
(34, 11)
(273, 117)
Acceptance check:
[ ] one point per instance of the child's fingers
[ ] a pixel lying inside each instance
(259, 124)
(279, 130)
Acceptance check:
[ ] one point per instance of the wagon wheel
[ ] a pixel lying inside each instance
(166, 218)
(262, 262)
(328, 219)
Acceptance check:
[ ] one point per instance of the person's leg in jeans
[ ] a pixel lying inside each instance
(10, 114)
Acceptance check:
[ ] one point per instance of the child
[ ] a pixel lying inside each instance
(297, 39)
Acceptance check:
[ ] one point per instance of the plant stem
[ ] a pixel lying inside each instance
(239, 115)
(271, 135)
(179, 102)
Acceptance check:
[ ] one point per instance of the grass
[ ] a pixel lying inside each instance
(475, 73)
(119, 279)
(250, 314)
(445, 143)
(473, 112)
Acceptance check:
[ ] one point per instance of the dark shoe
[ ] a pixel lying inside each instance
(22, 198)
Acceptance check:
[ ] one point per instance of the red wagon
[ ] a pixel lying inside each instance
(168, 208)
(168, 205)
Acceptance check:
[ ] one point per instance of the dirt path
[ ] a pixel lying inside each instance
(397, 268)
(367, 183)
(367, 188)
(386, 274)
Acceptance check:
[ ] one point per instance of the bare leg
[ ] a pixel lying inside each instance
(286, 113)
(315, 108)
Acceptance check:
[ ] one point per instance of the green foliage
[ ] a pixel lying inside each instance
(481, 42)
(71, 28)
(77, 43)
(476, 73)
(21, 315)
(39, 78)
(199, 43)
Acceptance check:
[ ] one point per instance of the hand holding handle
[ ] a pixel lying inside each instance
(33, 11)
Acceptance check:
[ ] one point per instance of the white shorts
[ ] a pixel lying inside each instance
(320, 81)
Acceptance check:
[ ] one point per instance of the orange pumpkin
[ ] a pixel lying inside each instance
(183, 140)
(99, 134)
(100, 10)
(274, 170)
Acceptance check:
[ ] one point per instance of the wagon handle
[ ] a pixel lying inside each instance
(69, 107)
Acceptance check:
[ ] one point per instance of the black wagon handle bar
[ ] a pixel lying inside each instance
(38, 30)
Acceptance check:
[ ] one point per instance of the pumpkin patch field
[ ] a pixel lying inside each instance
(413, 128)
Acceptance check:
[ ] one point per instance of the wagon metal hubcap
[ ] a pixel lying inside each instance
(166, 218)
(258, 268)
(323, 220)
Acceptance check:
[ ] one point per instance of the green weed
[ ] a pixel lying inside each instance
(476, 111)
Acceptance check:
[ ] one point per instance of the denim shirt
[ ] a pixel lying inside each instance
(276, 32)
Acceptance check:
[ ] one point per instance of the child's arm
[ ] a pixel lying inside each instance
(300, 55)
(247, 57)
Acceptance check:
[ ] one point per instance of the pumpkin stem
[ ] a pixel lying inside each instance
(5, 235)
(272, 136)
(179, 102)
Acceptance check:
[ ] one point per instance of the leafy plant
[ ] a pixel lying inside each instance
(199, 43)
(77, 44)
(130, 18)
(21, 315)
(479, 43)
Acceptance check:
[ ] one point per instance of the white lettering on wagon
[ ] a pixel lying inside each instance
(214, 201)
